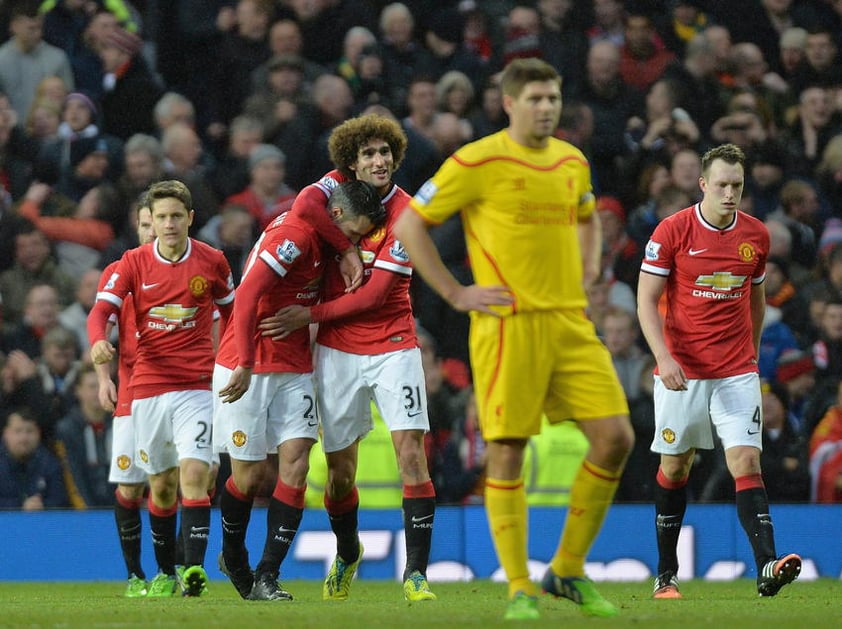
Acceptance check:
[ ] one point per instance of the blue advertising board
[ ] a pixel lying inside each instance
(83, 545)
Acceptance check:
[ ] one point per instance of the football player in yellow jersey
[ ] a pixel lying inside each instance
(534, 242)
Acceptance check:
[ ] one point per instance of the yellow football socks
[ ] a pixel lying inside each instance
(591, 495)
(505, 504)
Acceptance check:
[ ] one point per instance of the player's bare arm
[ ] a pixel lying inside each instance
(411, 230)
(107, 389)
(237, 385)
(590, 242)
(351, 268)
(649, 292)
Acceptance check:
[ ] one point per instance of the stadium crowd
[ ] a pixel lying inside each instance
(237, 99)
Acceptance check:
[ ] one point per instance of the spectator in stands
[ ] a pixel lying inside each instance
(75, 316)
(285, 41)
(281, 97)
(489, 117)
(26, 58)
(58, 365)
(43, 120)
(766, 163)
(826, 455)
(233, 232)
(612, 103)
(444, 37)
(33, 266)
(144, 165)
(698, 83)
(173, 108)
(781, 293)
(608, 22)
(83, 444)
(809, 133)
(85, 59)
(643, 56)
(798, 210)
(796, 372)
(401, 53)
(421, 103)
(267, 194)
(829, 172)
(653, 136)
(822, 64)
(621, 256)
(183, 153)
(21, 386)
(334, 102)
(131, 90)
(30, 475)
(78, 121)
(230, 173)
(77, 231)
(645, 218)
(241, 51)
(87, 168)
(563, 43)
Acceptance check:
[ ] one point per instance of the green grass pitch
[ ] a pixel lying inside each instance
(723, 605)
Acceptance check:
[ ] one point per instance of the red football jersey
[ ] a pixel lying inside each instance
(174, 311)
(710, 272)
(392, 326)
(284, 268)
(127, 343)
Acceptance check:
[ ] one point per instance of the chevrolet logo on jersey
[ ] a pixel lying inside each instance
(173, 315)
(721, 280)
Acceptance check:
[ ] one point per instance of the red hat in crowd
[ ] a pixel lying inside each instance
(613, 205)
(794, 363)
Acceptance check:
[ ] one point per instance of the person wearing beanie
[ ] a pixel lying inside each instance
(444, 38)
(26, 59)
(267, 194)
(130, 89)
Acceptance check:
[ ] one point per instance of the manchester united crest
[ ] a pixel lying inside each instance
(746, 251)
(124, 462)
(668, 435)
(198, 285)
(143, 456)
(238, 438)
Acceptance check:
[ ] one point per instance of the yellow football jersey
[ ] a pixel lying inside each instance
(520, 208)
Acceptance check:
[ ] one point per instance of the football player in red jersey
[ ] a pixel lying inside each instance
(274, 409)
(130, 479)
(176, 284)
(366, 350)
(710, 261)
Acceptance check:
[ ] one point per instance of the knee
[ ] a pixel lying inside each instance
(131, 492)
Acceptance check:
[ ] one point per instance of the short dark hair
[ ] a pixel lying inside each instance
(359, 198)
(728, 153)
(170, 189)
(24, 412)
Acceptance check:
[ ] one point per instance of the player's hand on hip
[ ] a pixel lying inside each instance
(481, 298)
(672, 375)
(351, 268)
(285, 321)
(237, 385)
(102, 352)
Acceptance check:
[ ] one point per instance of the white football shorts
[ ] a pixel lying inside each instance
(124, 470)
(346, 383)
(173, 426)
(276, 407)
(686, 419)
